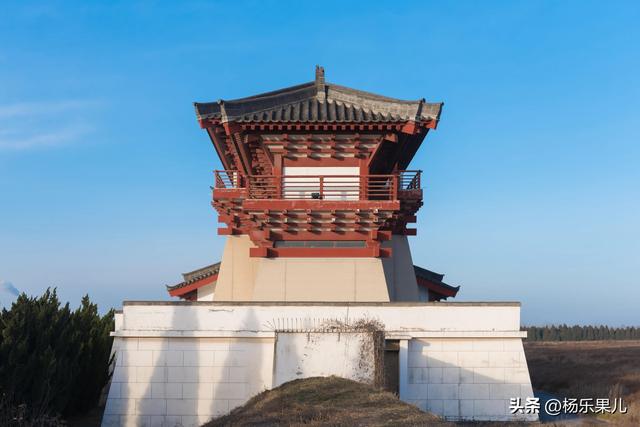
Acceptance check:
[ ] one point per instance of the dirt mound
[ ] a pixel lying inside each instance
(326, 401)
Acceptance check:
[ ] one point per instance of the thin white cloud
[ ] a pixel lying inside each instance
(29, 125)
(53, 138)
(40, 108)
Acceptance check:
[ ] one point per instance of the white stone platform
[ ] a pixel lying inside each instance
(182, 363)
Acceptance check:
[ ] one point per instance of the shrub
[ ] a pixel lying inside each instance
(53, 360)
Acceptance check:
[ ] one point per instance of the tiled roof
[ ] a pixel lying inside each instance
(318, 101)
(194, 276)
(423, 273)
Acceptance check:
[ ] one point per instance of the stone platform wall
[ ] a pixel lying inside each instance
(184, 381)
(181, 363)
(467, 378)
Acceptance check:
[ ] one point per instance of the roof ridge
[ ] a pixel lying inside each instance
(272, 93)
(375, 95)
(276, 102)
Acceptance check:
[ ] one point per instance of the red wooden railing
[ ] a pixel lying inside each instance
(409, 180)
(321, 187)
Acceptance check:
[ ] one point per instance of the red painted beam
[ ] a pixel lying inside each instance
(259, 252)
(319, 252)
(431, 124)
(320, 235)
(222, 231)
(379, 235)
(321, 161)
(230, 193)
(410, 128)
(208, 123)
(321, 205)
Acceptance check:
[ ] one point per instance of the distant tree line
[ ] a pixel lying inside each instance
(54, 361)
(580, 333)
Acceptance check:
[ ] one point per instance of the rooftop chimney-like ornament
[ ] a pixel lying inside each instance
(321, 93)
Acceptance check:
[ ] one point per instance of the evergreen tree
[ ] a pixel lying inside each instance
(580, 333)
(53, 360)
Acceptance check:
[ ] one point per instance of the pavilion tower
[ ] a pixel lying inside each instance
(316, 202)
(315, 195)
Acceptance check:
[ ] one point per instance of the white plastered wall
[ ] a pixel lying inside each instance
(206, 292)
(304, 355)
(344, 187)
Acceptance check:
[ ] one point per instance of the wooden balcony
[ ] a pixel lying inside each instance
(334, 188)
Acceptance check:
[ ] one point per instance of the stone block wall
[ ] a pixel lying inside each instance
(181, 364)
(471, 379)
(184, 381)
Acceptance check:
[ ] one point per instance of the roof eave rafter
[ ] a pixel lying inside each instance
(406, 126)
(239, 147)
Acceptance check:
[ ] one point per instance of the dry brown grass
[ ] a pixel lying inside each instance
(326, 401)
(589, 369)
(583, 369)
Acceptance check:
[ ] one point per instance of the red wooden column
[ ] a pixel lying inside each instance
(277, 173)
(364, 178)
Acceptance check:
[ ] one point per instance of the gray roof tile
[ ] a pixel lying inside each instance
(318, 101)
(433, 277)
(194, 276)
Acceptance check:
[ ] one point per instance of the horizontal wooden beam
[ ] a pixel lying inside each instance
(321, 161)
(230, 193)
(322, 205)
(373, 252)
(229, 231)
(320, 235)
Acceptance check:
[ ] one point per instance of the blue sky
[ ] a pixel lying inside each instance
(532, 178)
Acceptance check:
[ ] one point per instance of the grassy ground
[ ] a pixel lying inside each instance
(326, 401)
(589, 369)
